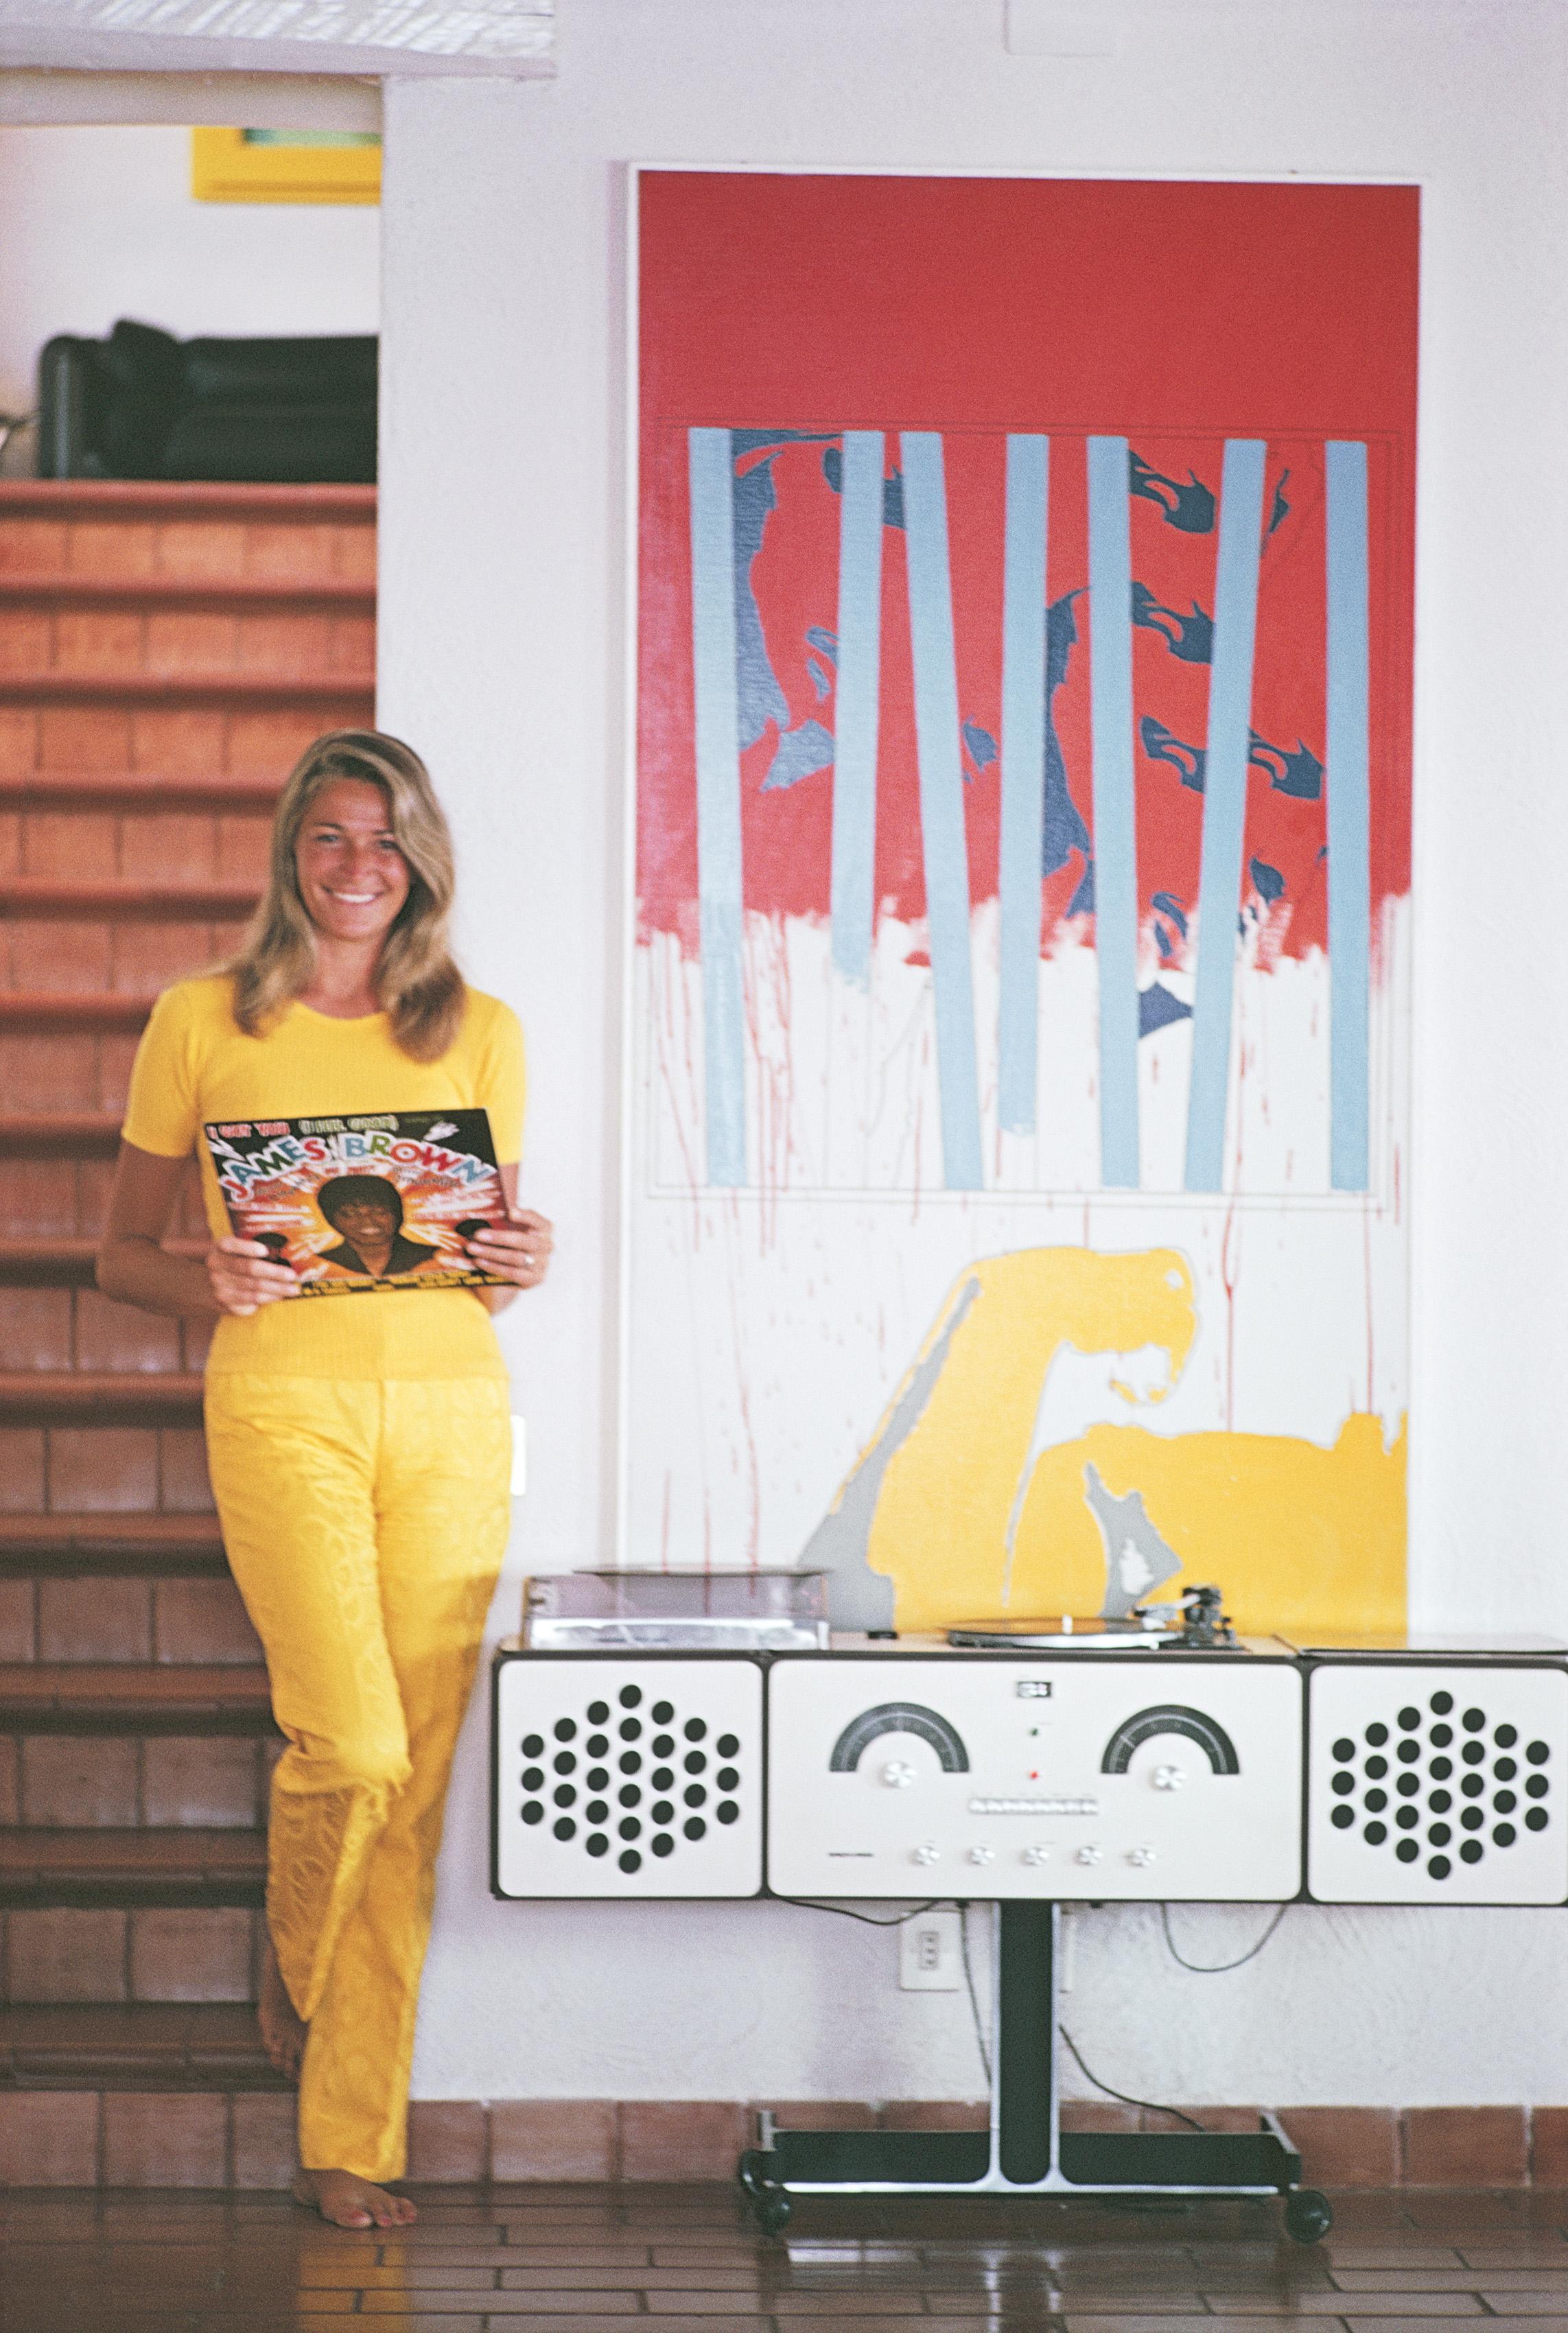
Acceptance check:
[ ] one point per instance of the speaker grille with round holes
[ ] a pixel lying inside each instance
(1434, 1785)
(629, 1777)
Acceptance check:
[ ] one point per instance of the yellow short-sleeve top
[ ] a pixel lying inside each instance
(196, 1064)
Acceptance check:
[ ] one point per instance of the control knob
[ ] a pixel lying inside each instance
(1089, 1855)
(926, 1853)
(1142, 1857)
(1035, 1855)
(982, 1855)
(896, 1775)
(1169, 1778)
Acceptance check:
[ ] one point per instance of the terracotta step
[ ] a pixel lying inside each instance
(57, 1134)
(110, 1547)
(164, 499)
(99, 1397)
(96, 1011)
(114, 1698)
(126, 1869)
(346, 693)
(64, 1263)
(119, 899)
(133, 791)
(330, 591)
(146, 2045)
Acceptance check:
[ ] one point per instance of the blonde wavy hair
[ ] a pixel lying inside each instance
(419, 986)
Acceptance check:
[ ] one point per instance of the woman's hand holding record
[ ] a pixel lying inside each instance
(246, 1275)
(516, 1251)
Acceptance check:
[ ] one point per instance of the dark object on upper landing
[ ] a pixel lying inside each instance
(142, 405)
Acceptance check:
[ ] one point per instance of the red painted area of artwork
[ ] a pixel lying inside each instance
(1173, 314)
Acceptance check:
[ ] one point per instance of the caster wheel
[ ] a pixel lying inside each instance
(773, 2211)
(752, 2173)
(1308, 2216)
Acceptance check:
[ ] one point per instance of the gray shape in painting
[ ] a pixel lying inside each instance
(801, 753)
(1137, 1559)
(760, 697)
(857, 1597)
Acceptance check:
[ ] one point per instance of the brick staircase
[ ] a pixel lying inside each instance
(165, 652)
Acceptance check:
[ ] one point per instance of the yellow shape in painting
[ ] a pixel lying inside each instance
(974, 1514)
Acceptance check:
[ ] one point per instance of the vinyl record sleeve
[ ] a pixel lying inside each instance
(354, 1206)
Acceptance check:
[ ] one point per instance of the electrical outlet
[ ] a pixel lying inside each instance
(930, 1957)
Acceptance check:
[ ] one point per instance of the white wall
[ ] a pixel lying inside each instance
(99, 223)
(504, 653)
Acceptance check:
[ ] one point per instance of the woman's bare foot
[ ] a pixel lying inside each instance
(282, 2030)
(348, 2202)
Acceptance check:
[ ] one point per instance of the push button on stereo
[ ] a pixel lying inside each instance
(896, 1775)
(1089, 1855)
(926, 1853)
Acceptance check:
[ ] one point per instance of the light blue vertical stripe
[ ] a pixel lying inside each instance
(1115, 819)
(719, 847)
(942, 835)
(1230, 745)
(1348, 781)
(855, 702)
(1023, 778)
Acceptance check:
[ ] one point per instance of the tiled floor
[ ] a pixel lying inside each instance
(586, 2260)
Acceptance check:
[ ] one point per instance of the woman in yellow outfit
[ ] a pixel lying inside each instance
(359, 1448)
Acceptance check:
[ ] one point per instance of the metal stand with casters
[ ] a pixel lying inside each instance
(1027, 2152)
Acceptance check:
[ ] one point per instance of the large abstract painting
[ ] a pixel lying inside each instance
(1016, 1215)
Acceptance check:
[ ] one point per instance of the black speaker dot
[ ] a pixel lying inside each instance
(1503, 1834)
(598, 1711)
(1377, 1734)
(1407, 1818)
(1407, 1850)
(1441, 1736)
(1342, 1785)
(1505, 1770)
(662, 1712)
(728, 1745)
(662, 1844)
(598, 1745)
(1472, 1785)
(632, 1762)
(566, 1728)
(1472, 1754)
(597, 1844)
(629, 1828)
(662, 1779)
(1537, 1817)
(1407, 1785)
(726, 1778)
(596, 1811)
(565, 1828)
(631, 1861)
(1439, 1835)
(533, 1812)
(728, 1811)
(534, 1746)
(1536, 1787)
(1342, 1818)
(532, 1778)
(1472, 1819)
(1375, 1832)
(1344, 1749)
(1439, 1802)
(598, 1778)
(565, 1761)
(695, 1795)
(1440, 1769)
(1472, 1851)
(695, 1762)
(661, 1812)
(1409, 1720)
(631, 1729)
(1537, 1753)
(1376, 1801)
(694, 1728)
(566, 1795)
(630, 1695)
(1439, 1868)
(663, 1745)
(1442, 1703)
(1504, 1803)
(1408, 1752)
(695, 1828)
(1377, 1768)
(629, 1795)
(1474, 1720)
(1505, 1736)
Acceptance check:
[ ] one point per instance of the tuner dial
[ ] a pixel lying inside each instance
(1169, 1778)
(982, 1855)
(1089, 1855)
(896, 1775)
(1035, 1855)
(928, 1853)
(1140, 1856)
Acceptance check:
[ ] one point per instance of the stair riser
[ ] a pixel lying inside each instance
(264, 740)
(121, 1782)
(66, 1197)
(78, 1329)
(105, 1470)
(123, 1954)
(182, 644)
(195, 845)
(132, 958)
(133, 545)
(176, 1622)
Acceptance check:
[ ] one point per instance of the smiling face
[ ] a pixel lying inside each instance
(353, 878)
(366, 1223)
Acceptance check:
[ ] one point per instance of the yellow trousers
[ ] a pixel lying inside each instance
(365, 1524)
